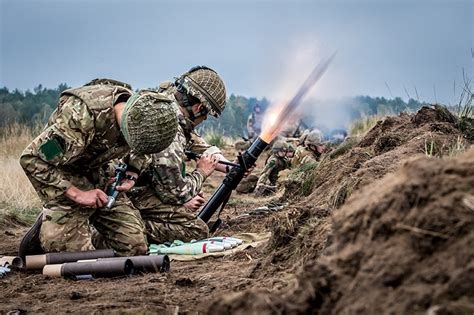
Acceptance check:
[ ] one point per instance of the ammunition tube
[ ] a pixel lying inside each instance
(154, 263)
(97, 269)
(12, 261)
(39, 261)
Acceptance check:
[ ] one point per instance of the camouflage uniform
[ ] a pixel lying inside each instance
(165, 186)
(269, 176)
(81, 136)
(304, 156)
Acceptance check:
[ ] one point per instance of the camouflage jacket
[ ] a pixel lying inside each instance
(166, 174)
(303, 156)
(81, 136)
(273, 166)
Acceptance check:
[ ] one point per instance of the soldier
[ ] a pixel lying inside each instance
(67, 164)
(311, 151)
(254, 122)
(290, 153)
(167, 194)
(277, 162)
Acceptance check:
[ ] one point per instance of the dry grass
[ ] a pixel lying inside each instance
(18, 199)
(360, 127)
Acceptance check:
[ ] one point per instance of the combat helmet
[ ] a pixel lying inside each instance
(291, 147)
(279, 145)
(206, 85)
(315, 137)
(149, 124)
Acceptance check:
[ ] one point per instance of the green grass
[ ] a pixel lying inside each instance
(215, 138)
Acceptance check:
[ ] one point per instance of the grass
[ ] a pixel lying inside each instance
(430, 148)
(465, 111)
(361, 126)
(18, 200)
(305, 176)
(215, 138)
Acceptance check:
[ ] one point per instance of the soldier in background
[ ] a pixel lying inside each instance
(290, 153)
(254, 122)
(168, 195)
(67, 164)
(277, 161)
(311, 151)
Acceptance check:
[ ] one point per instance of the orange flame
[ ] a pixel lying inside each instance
(272, 122)
(277, 115)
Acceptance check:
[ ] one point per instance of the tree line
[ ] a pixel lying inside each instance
(34, 107)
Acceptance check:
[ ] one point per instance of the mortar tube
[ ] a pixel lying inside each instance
(12, 261)
(97, 269)
(232, 179)
(154, 263)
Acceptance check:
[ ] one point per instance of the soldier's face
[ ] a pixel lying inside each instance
(290, 154)
(281, 153)
(198, 109)
(318, 148)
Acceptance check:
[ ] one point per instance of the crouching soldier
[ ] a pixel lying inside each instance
(168, 195)
(276, 162)
(66, 165)
(290, 153)
(311, 151)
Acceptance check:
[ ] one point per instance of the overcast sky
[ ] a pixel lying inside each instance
(261, 48)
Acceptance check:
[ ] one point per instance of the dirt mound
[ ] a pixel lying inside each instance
(403, 245)
(431, 131)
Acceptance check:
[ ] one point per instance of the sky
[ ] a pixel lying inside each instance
(260, 48)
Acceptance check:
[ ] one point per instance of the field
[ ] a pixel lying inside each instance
(384, 225)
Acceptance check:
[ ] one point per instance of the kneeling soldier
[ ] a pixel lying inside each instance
(67, 162)
(166, 194)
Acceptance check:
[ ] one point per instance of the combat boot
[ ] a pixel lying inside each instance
(31, 244)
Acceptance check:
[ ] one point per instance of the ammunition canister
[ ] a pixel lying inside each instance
(39, 261)
(154, 263)
(12, 261)
(97, 269)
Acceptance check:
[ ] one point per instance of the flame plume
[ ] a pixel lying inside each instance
(275, 117)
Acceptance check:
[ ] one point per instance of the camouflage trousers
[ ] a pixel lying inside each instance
(67, 227)
(166, 223)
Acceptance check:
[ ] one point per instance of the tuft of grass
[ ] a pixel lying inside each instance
(430, 148)
(18, 200)
(215, 138)
(305, 176)
(465, 110)
(457, 147)
(361, 126)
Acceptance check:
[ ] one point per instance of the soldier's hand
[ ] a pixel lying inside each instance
(129, 182)
(207, 163)
(95, 198)
(195, 203)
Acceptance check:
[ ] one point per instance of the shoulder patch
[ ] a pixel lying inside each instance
(52, 148)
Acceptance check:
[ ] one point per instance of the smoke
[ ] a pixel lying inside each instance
(327, 114)
(315, 112)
